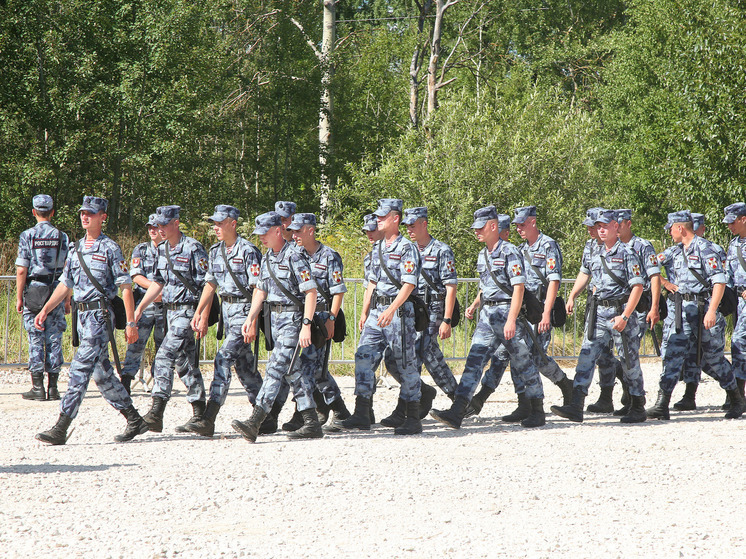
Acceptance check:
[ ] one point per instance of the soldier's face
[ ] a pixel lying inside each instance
(223, 229)
(169, 229)
(303, 236)
(607, 231)
(488, 233)
(738, 227)
(592, 232)
(90, 220)
(273, 238)
(374, 235)
(154, 234)
(418, 230)
(388, 222)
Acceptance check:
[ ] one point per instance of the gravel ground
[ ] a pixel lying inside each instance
(597, 489)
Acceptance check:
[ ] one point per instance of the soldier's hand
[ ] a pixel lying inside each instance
(653, 317)
(445, 331)
(68, 306)
(618, 323)
(249, 333)
(509, 330)
(386, 317)
(195, 322)
(469, 312)
(710, 319)
(743, 294)
(39, 320)
(570, 305)
(670, 286)
(305, 336)
(130, 334)
(546, 324)
(138, 315)
(330, 329)
(19, 305)
(361, 323)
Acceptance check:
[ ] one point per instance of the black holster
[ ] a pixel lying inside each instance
(267, 324)
(591, 316)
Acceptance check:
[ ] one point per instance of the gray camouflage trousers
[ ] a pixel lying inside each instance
(487, 337)
(151, 321)
(45, 346)
(92, 359)
(177, 352)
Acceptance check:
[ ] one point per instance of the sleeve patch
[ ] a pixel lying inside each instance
(551, 263)
(516, 269)
(255, 270)
(305, 275)
(449, 265)
(636, 269)
(135, 262)
(123, 266)
(337, 275)
(409, 266)
(202, 264)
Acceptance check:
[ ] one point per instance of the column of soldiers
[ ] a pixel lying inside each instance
(294, 294)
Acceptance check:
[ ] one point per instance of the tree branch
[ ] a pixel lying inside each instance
(310, 43)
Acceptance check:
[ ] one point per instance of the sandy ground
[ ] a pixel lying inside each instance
(598, 489)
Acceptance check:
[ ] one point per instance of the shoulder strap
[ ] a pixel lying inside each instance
(494, 277)
(392, 279)
(285, 291)
(740, 256)
(611, 274)
(88, 273)
(536, 270)
(246, 292)
(192, 289)
(427, 278)
(699, 277)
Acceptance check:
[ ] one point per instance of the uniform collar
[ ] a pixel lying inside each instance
(613, 249)
(178, 246)
(393, 245)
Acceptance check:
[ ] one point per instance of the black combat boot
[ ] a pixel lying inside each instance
(58, 434)
(154, 417)
(477, 401)
(340, 413)
(311, 428)
(565, 385)
(573, 412)
(126, 381)
(249, 429)
(360, 419)
(605, 402)
(206, 425)
(269, 425)
(398, 416)
(660, 409)
(372, 414)
(322, 408)
(198, 410)
(453, 416)
(537, 418)
(688, 401)
(295, 423)
(37, 388)
(636, 413)
(427, 395)
(53, 392)
(626, 401)
(626, 397)
(412, 424)
(737, 404)
(521, 412)
(135, 425)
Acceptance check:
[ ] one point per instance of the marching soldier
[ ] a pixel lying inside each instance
(389, 321)
(92, 272)
(286, 211)
(617, 286)
(179, 277)
(42, 251)
(501, 281)
(285, 283)
(735, 217)
(696, 270)
(234, 267)
(142, 269)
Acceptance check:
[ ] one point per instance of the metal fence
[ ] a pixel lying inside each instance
(566, 341)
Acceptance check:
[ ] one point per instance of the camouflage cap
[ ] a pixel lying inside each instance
(166, 214)
(370, 223)
(522, 214)
(698, 220)
(605, 216)
(483, 215)
(682, 216)
(388, 205)
(94, 204)
(265, 222)
(623, 215)
(285, 209)
(300, 220)
(734, 211)
(42, 202)
(413, 214)
(153, 220)
(223, 212)
(590, 216)
(503, 222)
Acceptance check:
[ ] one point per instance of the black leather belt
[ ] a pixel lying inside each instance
(612, 302)
(384, 300)
(92, 305)
(434, 297)
(48, 279)
(322, 307)
(276, 307)
(688, 296)
(495, 303)
(179, 306)
(234, 299)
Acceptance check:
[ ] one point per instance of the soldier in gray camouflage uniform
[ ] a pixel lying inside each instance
(188, 259)
(244, 259)
(142, 269)
(42, 251)
(499, 323)
(290, 328)
(107, 265)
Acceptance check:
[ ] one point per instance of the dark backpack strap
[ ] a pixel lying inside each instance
(611, 274)
(285, 291)
(494, 277)
(88, 273)
(392, 279)
(192, 289)
(542, 277)
(246, 292)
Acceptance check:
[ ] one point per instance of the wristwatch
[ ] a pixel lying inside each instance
(447, 321)
(625, 318)
(131, 325)
(306, 321)
(332, 317)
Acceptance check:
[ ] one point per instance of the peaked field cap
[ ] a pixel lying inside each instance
(503, 222)
(522, 214)
(698, 220)
(734, 211)
(370, 223)
(223, 212)
(42, 202)
(605, 216)
(94, 204)
(623, 215)
(483, 215)
(153, 220)
(300, 220)
(166, 214)
(682, 216)
(413, 214)
(590, 216)
(265, 222)
(285, 209)
(388, 205)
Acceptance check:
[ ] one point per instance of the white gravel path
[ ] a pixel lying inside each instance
(600, 489)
